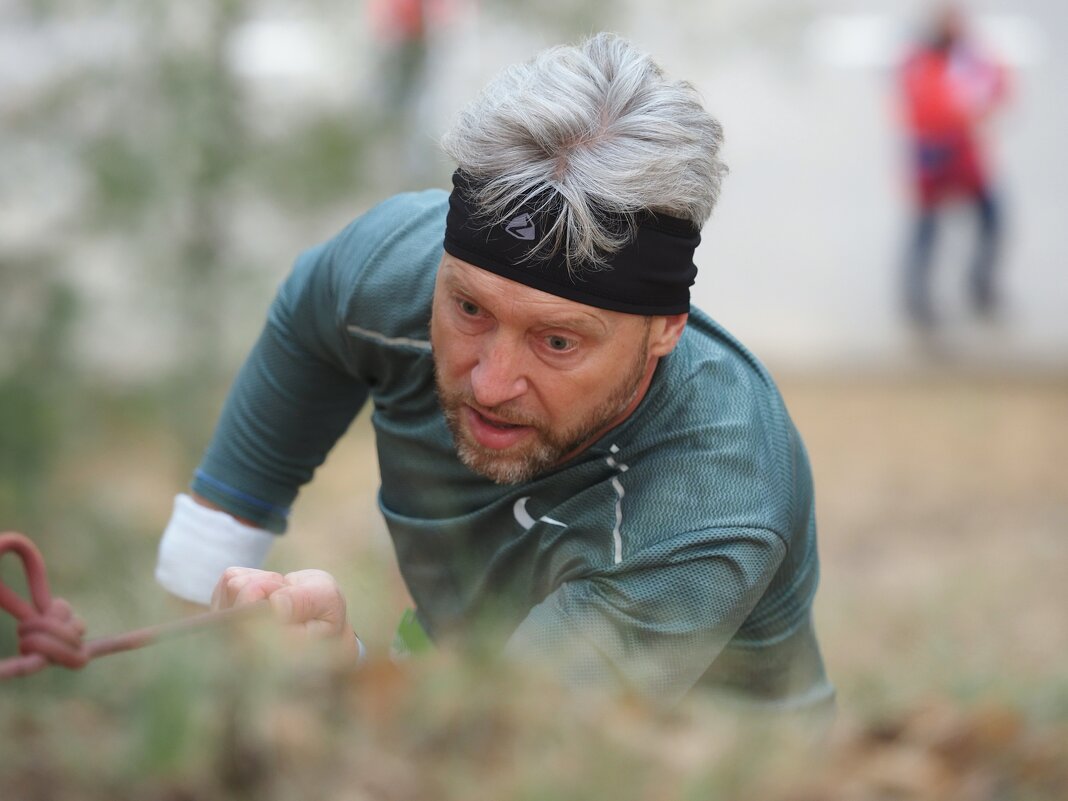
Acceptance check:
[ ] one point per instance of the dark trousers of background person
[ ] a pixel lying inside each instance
(981, 291)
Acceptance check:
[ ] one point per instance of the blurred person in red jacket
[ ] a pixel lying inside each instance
(401, 26)
(402, 30)
(948, 89)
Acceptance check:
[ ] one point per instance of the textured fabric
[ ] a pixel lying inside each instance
(683, 537)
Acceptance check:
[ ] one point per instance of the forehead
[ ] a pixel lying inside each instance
(502, 297)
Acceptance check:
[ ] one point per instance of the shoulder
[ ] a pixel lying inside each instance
(404, 228)
(383, 264)
(713, 374)
(715, 445)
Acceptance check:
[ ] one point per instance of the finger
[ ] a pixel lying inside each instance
(311, 578)
(235, 579)
(312, 599)
(221, 595)
(257, 590)
(239, 585)
(322, 629)
(298, 606)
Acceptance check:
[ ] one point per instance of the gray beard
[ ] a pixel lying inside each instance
(549, 448)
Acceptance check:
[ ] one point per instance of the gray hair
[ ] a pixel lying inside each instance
(597, 134)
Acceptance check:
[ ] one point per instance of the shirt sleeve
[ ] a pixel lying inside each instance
(290, 402)
(657, 626)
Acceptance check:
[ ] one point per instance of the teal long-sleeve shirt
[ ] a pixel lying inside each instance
(678, 549)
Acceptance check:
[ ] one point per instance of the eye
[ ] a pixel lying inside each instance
(468, 308)
(558, 343)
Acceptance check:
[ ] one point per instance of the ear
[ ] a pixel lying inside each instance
(665, 333)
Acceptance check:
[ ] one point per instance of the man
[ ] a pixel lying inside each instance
(948, 88)
(571, 458)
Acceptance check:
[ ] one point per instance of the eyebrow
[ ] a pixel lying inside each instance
(589, 325)
(582, 325)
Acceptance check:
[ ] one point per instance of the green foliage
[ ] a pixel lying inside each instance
(34, 386)
(321, 163)
(123, 178)
(165, 721)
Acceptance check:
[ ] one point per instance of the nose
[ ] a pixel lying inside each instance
(497, 377)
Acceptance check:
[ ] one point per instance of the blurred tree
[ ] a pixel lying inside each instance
(157, 157)
(36, 312)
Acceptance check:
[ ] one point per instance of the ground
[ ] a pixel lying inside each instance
(943, 505)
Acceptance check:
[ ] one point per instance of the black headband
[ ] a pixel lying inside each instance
(651, 274)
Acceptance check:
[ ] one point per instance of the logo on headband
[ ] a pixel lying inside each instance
(521, 227)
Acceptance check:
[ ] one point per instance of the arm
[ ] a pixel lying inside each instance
(657, 627)
(293, 397)
(206, 503)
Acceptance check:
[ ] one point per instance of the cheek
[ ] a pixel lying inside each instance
(454, 355)
(563, 393)
(573, 392)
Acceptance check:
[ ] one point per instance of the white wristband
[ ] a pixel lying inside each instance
(200, 543)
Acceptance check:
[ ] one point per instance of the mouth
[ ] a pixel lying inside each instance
(494, 432)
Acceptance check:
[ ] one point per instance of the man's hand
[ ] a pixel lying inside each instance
(308, 602)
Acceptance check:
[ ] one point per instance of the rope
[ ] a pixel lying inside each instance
(49, 633)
